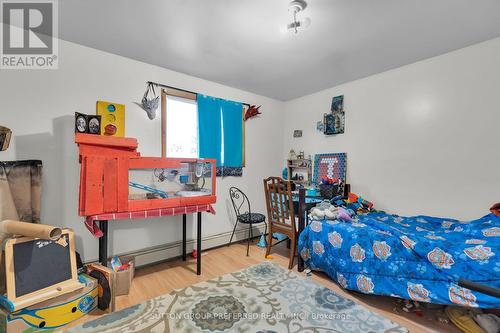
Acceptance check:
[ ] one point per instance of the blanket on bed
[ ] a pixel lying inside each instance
(419, 258)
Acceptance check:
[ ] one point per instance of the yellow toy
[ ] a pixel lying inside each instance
(53, 313)
(112, 118)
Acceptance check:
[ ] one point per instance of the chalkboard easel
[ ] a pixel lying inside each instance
(38, 269)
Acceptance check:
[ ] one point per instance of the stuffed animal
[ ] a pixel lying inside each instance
(326, 211)
(355, 198)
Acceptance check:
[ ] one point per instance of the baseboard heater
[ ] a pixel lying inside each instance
(160, 253)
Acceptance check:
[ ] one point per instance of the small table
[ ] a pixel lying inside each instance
(98, 226)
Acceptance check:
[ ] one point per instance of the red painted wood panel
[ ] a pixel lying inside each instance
(82, 193)
(110, 185)
(93, 185)
(122, 184)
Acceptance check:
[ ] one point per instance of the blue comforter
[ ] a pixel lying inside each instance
(419, 258)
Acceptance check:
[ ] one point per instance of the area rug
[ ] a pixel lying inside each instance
(264, 298)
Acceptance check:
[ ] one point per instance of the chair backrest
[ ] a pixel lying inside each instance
(240, 201)
(279, 203)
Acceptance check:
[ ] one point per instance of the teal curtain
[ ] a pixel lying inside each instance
(209, 128)
(220, 126)
(232, 119)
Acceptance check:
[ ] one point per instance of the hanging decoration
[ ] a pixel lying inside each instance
(252, 111)
(150, 101)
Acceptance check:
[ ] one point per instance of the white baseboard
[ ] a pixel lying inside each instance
(164, 252)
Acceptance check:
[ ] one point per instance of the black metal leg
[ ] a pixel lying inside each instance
(198, 257)
(251, 232)
(234, 229)
(184, 237)
(103, 243)
(248, 239)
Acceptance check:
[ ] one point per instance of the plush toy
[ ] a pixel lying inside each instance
(327, 211)
(353, 198)
(330, 181)
(344, 214)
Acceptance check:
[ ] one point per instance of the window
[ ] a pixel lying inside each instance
(181, 127)
(199, 126)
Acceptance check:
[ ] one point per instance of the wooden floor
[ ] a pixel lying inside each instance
(162, 278)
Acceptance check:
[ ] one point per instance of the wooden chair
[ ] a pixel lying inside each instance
(244, 214)
(280, 213)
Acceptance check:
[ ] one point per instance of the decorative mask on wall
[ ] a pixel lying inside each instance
(150, 101)
(252, 111)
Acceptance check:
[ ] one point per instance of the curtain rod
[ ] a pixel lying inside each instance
(183, 90)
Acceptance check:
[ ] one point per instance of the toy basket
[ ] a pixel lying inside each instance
(329, 191)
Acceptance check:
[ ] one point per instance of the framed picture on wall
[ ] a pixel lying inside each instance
(332, 165)
(338, 114)
(337, 104)
(328, 124)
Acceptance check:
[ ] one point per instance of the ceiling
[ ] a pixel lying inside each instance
(241, 43)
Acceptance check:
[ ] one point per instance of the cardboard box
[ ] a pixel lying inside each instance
(112, 118)
(54, 313)
(123, 279)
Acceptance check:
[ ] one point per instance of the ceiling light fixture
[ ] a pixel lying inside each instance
(295, 7)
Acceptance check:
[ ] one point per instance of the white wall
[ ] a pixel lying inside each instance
(39, 106)
(420, 139)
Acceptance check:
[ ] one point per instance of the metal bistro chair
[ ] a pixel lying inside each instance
(244, 214)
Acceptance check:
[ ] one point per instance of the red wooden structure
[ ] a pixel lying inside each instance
(104, 176)
(104, 189)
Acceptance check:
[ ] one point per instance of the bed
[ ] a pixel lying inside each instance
(419, 258)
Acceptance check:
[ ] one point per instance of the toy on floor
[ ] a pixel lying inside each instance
(279, 237)
(106, 279)
(54, 313)
(262, 241)
(463, 319)
(37, 269)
